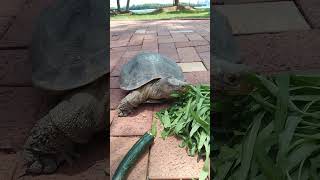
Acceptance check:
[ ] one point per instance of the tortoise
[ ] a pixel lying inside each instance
(228, 72)
(150, 77)
(68, 53)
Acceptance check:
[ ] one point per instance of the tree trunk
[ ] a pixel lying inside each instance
(128, 4)
(176, 2)
(118, 5)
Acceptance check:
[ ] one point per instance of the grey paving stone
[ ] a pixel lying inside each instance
(192, 67)
(293, 51)
(311, 9)
(264, 17)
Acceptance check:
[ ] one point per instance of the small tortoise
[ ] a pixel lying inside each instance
(150, 77)
(68, 55)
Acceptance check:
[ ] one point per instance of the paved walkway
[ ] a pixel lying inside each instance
(276, 35)
(187, 43)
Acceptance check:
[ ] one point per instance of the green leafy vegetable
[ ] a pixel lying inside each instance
(189, 119)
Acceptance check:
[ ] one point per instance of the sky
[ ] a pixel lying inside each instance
(113, 3)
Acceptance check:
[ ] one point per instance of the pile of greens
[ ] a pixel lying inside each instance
(189, 119)
(272, 134)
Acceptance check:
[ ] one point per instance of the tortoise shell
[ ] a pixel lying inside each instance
(145, 67)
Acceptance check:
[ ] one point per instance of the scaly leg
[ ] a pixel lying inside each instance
(81, 114)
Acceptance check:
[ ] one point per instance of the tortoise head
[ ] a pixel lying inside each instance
(230, 78)
(171, 84)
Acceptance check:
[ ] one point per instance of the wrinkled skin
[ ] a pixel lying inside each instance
(80, 115)
(155, 90)
(229, 78)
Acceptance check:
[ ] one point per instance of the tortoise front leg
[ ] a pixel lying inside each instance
(131, 101)
(74, 120)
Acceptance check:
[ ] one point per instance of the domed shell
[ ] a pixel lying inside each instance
(146, 67)
(69, 46)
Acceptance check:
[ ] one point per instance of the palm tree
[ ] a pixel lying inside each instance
(128, 4)
(118, 5)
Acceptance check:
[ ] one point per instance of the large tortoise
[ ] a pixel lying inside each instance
(68, 58)
(227, 69)
(150, 77)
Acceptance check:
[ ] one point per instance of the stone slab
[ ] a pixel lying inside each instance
(15, 68)
(19, 109)
(119, 147)
(192, 67)
(168, 161)
(7, 167)
(10, 7)
(311, 9)
(294, 51)
(136, 124)
(20, 33)
(169, 50)
(188, 54)
(257, 17)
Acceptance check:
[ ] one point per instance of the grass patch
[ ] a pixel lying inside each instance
(182, 14)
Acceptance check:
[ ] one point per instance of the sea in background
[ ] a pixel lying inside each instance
(143, 11)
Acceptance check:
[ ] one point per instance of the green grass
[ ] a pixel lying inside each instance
(183, 14)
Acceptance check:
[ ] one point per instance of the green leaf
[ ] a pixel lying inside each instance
(282, 102)
(248, 146)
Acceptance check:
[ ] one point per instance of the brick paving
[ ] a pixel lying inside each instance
(185, 42)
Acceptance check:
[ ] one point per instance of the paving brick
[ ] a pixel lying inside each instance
(183, 44)
(279, 52)
(15, 68)
(244, 1)
(195, 37)
(192, 67)
(4, 24)
(165, 39)
(114, 82)
(200, 77)
(168, 161)
(115, 97)
(136, 40)
(118, 65)
(140, 31)
(188, 54)
(150, 37)
(180, 38)
(113, 113)
(135, 48)
(7, 167)
(168, 49)
(163, 33)
(19, 108)
(284, 17)
(119, 147)
(150, 45)
(201, 49)
(311, 11)
(20, 32)
(205, 57)
(10, 8)
(136, 124)
(118, 43)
